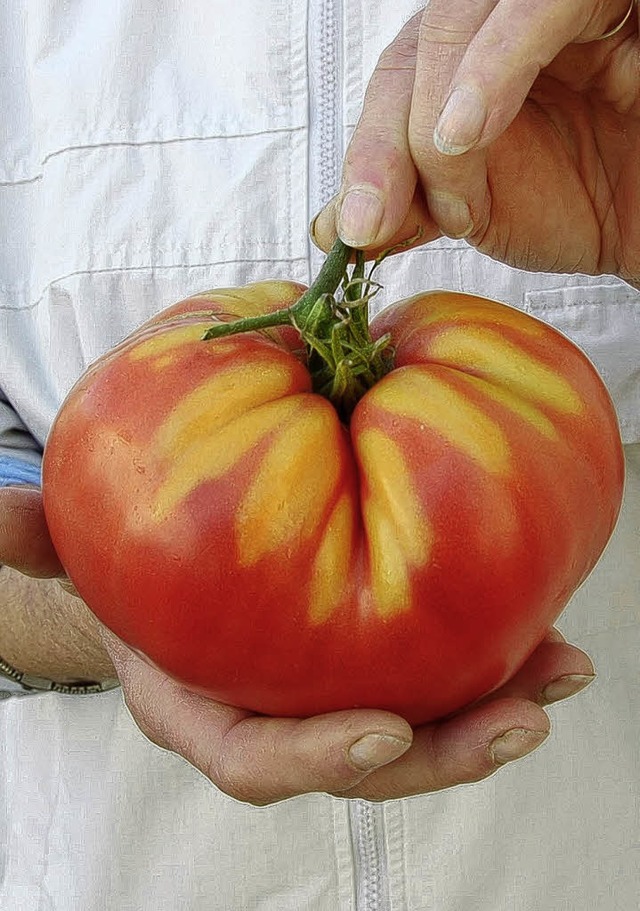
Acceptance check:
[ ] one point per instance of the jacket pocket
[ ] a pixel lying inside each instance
(604, 320)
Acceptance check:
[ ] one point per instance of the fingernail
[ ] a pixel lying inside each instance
(451, 213)
(312, 227)
(515, 744)
(566, 686)
(323, 227)
(375, 750)
(461, 122)
(360, 217)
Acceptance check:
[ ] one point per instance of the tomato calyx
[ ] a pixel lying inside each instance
(343, 358)
(332, 318)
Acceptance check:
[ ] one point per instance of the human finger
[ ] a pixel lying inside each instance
(465, 748)
(416, 229)
(379, 176)
(501, 62)
(556, 670)
(447, 29)
(25, 543)
(500, 728)
(257, 759)
(473, 74)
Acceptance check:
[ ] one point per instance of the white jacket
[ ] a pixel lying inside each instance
(153, 148)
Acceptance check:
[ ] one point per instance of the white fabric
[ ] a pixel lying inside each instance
(150, 149)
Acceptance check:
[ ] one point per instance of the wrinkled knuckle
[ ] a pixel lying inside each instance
(234, 781)
(444, 29)
(400, 55)
(377, 146)
(403, 48)
(481, 223)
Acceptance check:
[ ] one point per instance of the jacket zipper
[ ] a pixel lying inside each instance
(325, 69)
(370, 856)
(326, 151)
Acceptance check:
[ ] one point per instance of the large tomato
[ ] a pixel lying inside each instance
(221, 518)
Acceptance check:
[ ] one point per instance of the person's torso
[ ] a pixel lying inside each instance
(149, 151)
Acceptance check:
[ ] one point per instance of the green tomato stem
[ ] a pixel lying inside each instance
(342, 357)
(327, 282)
(248, 324)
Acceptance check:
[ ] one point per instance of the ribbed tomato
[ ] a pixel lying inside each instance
(218, 515)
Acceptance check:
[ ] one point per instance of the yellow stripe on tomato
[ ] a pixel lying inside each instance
(512, 402)
(398, 534)
(298, 474)
(209, 456)
(170, 341)
(332, 563)
(419, 393)
(466, 309)
(233, 390)
(487, 352)
(422, 314)
(253, 299)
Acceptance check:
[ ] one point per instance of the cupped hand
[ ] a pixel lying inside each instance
(504, 122)
(362, 753)
(358, 753)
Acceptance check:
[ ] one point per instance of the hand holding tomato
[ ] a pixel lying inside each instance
(507, 124)
(263, 760)
(360, 753)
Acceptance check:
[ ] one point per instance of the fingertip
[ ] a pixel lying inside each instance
(451, 213)
(372, 751)
(356, 743)
(322, 229)
(516, 744)
(565, 687)
(480, 741)
(355, 216)
(360, 216)
(461, 122)
(485, 720)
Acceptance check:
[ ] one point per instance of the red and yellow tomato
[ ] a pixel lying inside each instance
(217, 515)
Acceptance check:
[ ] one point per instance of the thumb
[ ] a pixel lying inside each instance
(25, 543)
(379, 177)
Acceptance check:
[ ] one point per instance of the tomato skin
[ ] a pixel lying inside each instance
(217, 516)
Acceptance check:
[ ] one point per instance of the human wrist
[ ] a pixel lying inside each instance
(71, 688)
(49, 634)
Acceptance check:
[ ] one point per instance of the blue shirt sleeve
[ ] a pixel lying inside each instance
(15, 471)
